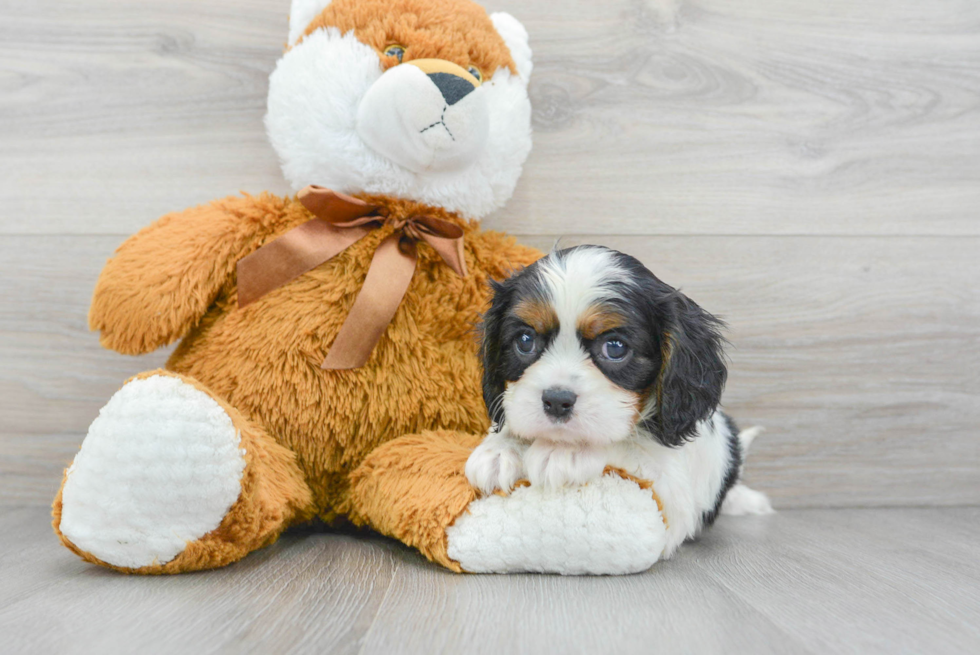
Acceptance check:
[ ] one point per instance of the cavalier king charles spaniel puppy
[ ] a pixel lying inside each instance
(591, 361)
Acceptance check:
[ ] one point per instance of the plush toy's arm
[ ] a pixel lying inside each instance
(161, 281)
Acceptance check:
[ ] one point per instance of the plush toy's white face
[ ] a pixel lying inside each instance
(355, 113)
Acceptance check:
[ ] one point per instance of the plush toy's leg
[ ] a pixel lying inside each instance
(413, 488)
(171, 478)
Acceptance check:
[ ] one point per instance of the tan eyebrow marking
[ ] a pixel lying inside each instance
(598, 319)
(539, 314)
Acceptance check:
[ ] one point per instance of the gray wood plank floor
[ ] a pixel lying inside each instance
(801, 581)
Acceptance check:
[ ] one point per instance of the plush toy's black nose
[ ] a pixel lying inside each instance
(452, 87)
(558, 403)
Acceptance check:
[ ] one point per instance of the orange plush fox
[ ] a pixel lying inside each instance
(413, 118)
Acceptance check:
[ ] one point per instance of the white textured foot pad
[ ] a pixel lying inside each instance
(609, 526)
(160, 467)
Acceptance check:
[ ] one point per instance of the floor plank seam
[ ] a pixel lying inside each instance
(374, 619)
(739, 600)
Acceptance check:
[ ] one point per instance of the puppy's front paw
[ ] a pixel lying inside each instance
(494, 464)
(559, 465)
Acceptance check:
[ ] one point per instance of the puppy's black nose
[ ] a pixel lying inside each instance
(452, 87)
(558, 403)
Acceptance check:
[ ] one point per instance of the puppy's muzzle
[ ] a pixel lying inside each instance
(558, 403)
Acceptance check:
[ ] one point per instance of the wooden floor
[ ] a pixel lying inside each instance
(801, 581)
(808, 169)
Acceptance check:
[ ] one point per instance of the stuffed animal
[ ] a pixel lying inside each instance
(327, 365)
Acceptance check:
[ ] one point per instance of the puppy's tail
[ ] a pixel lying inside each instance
(747, 436)
(740, 499)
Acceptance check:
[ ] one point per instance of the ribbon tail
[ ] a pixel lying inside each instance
(451, 251)
(391, 271)
(446, 239)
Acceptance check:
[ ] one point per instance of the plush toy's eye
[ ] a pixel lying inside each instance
(395, 50)
(615, 350)
(526, 342)
(475, 72)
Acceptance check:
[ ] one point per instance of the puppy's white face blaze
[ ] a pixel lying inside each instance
(574, 288)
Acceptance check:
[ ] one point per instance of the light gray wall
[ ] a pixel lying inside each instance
(808, 170)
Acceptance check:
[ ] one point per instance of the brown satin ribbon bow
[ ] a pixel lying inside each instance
(341, 221)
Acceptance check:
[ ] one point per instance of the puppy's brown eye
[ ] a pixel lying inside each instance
(526, 343)
(395, 50)
(615, 350)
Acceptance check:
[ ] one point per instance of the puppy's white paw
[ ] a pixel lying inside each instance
(494, 464)
(555, 465)
(742, 500)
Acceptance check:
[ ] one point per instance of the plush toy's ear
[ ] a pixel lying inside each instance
(301, 14)
(515, 36)
(490, 349)
(693, 372)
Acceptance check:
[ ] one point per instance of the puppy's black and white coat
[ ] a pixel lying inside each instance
(591, 361)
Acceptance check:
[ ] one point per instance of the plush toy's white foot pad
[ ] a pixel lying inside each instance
(160, 467)
(610, 526)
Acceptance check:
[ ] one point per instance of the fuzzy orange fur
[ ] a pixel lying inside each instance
(326, 443)
(175, 279)
(460, 32)
(413, 488)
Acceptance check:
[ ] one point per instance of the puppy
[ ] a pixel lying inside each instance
(591, 361)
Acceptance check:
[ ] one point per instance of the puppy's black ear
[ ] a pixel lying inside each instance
(490, 349)
(692, 373)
